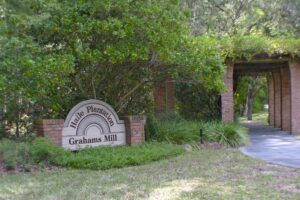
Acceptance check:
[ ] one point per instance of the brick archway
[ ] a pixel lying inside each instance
(284, 90)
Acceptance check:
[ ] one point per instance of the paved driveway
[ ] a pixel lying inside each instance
(273, 145)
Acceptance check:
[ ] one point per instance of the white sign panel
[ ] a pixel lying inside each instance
(92, 123)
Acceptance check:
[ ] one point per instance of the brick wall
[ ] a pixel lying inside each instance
(170, 95)
(159, 97)
(227, 97)
(295, 95)
(286, 99)
(277, 96)
(164, 96)
(51, 128)
(271, 100)
(135, 131)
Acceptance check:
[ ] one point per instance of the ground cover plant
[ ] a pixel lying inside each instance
(108, 157)
(204, 174)
(22, 156)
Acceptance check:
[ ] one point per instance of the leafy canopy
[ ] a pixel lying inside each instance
(247, 47)
(56, 53)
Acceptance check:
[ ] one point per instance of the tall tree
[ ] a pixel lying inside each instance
(30, 72)
(229, 17)
(255, 84)
(57, 52)
(271, 18)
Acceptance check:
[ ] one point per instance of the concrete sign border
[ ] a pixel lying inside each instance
(92, 123)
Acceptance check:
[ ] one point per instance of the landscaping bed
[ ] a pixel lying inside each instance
(41, 154)
(174, 129)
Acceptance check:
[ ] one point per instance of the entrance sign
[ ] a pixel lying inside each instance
(92, 123)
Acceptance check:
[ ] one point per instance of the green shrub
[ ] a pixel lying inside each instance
(24, 159)
(197, 101)
(41, 149)
(116, 157)
(228, 134)
(178, 132)
(3, 133)
(151, 127)
(24, 154)
(8, 153)
(170, 116)
(182, 131)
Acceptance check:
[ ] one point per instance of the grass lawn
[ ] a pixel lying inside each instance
(203, 174)
(261, 118)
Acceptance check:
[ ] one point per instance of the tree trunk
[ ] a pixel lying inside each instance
(253, 88)
(17, 129)
(249, 107)
(246, 106)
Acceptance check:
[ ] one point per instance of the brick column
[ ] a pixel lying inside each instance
(277, 96)
(227, 97)
(134, 125)
(51, 128)
(286, 99)
(159, 97)
(170, 95)
(271, 100)
(295, 95)
(164, 96)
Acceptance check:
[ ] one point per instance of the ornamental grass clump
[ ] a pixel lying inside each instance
(181, 131)
(178, 132)
(228, 134)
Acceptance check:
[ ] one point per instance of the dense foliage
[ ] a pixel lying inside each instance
(245, 29)
(232, 135)
(247, 47)
(106, 158)
(196, 102)
(40, 152)
(273, 18)
(56, 53)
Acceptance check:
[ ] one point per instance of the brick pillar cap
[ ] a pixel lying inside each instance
(135, 118)
(49, 121)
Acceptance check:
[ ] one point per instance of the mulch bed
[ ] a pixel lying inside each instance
(211, 145)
